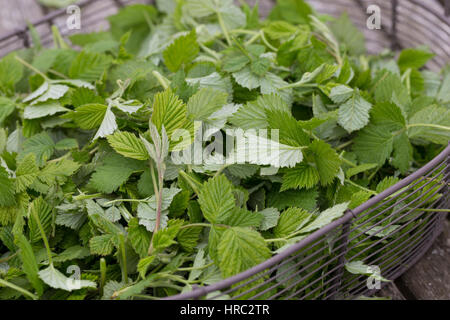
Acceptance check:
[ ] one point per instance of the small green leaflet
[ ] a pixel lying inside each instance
(181, 52)
(240, 249)
(326, 217)
(128, 145)
(216, 199)
(354, 114)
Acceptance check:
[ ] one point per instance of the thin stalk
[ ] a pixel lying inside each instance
(206, 225)
(223, 27)
(109, 203)
(3, 260)
(351, 164)
(344, 145)
(428, 125)
(19, 289)
(221, 170)
(431, 210)
(196, 268)
(44, 237)
(102, 274)
(242, 31)
(124, 259)
(29, 66)
(360, 187)
(87, 196)
(163, 81)
(253, 39)
(263, 38)
(212, 53)
(299, 84)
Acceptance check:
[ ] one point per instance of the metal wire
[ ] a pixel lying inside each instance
(314, 268)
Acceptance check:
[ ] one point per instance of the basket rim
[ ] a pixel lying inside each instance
(349, 215)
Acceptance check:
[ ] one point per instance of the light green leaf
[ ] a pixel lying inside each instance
(290, 221)
(270, 218)
(108, 126)
(168, 111)
(302, 176)
(89, 66)
(216, 199)
(26, 173)
(341, 93)
(327, 161)
(374, 144)
(431, 124)
(41, 145)
(43, 110)
(128, 145)
(354, 114)
(326, 217)
(29, 264)
(139, 237)
(240, 249)
(181, 52)
(205, 102)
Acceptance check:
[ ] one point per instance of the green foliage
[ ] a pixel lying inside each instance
(111, 155)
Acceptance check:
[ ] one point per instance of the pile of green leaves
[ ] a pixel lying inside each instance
(86, 178)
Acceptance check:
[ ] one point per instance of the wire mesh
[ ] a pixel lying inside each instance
(391, 231)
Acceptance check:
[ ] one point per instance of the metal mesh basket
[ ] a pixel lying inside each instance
(391, 231)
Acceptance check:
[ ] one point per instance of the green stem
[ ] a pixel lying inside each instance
(44, 237)
(210, 52)
(196, 268)
(163, 81)
(87, 196)
(221, 170)
(299, 84)
(351, 164)
(124, 259)
(124, 200)
(242, 31)
(206, 225)
(276, 240)
(29, 66)
(19, 289)
(263, 38)
(8, 258)
(224, 28)
(431, 210)
(253, 39)
(344, 145)
(102, 274)
(360, 187)
(428, 125)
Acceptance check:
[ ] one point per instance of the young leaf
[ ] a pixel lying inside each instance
(354, 114)
(240, 249)
(30, 266)
(181, 52)
(326, 217)
(216, 199)
(128, 145)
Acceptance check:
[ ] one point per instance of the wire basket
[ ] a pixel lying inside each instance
(391, 230)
